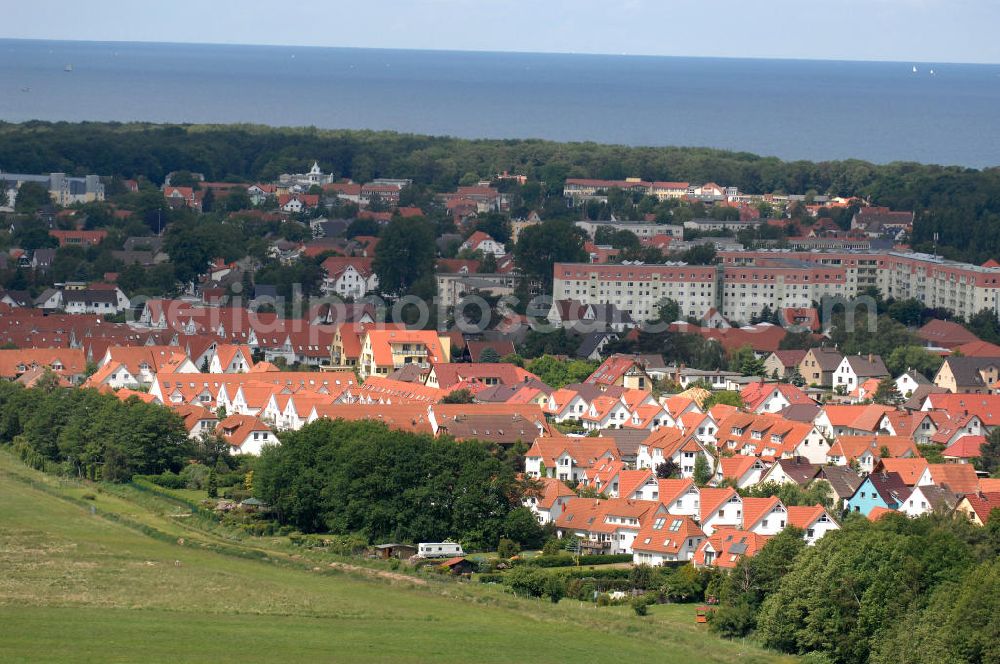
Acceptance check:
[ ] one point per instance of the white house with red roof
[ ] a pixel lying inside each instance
(764, 516)
(566, 458)
(548, 501)
(246, 434)
(230, 359)
(349, 276)
(744, 470)
(666, 538)
(726, 547)
(673, 445)
(814, 520)
(763, 397)
(720, 507)
(482, 242)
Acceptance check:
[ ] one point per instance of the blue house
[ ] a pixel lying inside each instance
(880, 489)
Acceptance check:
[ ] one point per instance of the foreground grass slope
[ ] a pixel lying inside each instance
(78, 587)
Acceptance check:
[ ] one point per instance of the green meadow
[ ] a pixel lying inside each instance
(113, 576)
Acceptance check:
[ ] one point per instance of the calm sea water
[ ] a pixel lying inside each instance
(792, 109)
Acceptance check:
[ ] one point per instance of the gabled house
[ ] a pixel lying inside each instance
(783, 363)
(814, 520)
(720, 507)
(605, 526)
(929, 499)
(727, 546)
(762, 397)
(978, 506)
(764, 516)
(246, 434)
(666, 538)
(621, 371)
(909, 382)
(797, 470)
(548, 499)
(855, 370)
(866, 451)
(231, 359)
(673, 445)
(879, 490)
(742, 470)
(568, 459)
(968, 375)
(819, 366)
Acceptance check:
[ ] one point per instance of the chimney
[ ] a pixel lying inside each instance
(869, 358)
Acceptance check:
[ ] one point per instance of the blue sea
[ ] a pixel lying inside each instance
(793, 109)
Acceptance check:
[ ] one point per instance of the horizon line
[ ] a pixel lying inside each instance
(496, 52)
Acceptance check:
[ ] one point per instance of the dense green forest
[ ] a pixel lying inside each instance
(899, 590)
(364, 478)
(961, 205)
(84, 433)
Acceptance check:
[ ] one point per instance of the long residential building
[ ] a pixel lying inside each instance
(743, 283)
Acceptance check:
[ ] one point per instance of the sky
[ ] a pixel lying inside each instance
(900, 30)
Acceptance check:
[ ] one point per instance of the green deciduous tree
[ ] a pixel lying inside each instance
(404, 255)
(541, 246)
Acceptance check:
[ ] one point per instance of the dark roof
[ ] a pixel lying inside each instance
(22, 298)
(966, 369)
(503, 393)
(134, 257)
(940, 498)
(916, 400)
(827, 358)
(150, 243)
(591, 341)
(870, 366)
(890, 486)
(842, 479)
(491, 427)
(43, 257)
(408, 373)
(503, 347)
(799, 469)
(89, 295)
(627, 440)
(800, 412)
(652, 361)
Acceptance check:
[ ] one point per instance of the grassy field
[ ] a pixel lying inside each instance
(78, 586)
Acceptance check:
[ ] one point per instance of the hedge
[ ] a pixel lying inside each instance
(566, 560)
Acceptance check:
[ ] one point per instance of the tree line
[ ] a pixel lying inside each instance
(899, 590)
(390, 485)
(961, 205)
(87, 434)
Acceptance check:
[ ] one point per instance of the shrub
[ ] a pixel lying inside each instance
(195, 476)
(687, 584)
(640, 605)
(490, 578)
(555, 588)
(733, 620)
(168, 480)
(235, 494)
(508, 548)
(603, 600)
(642, 577)
(89, 496)
(552, 547)
(527, 582)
